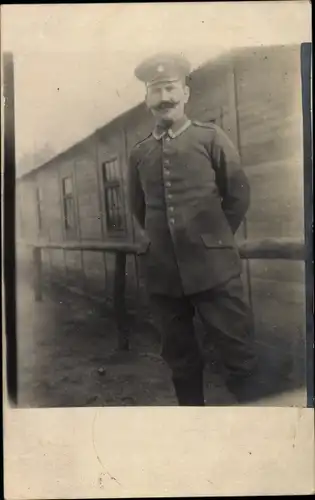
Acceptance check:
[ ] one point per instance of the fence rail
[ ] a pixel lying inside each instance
(267, 248)
(263, 248)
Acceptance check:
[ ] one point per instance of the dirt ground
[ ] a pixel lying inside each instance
(67, 357)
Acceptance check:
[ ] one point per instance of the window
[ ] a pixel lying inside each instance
(68, 203)
(39, 206)
(112, 195)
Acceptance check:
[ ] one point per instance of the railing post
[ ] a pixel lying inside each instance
(37, 270)
(119, 301)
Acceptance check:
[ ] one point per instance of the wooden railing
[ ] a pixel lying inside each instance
(268, 248)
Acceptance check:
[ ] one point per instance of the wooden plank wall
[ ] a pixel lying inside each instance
(269, 109)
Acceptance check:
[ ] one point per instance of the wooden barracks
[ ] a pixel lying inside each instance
(81, 194)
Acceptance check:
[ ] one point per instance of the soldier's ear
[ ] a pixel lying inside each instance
(186, 93)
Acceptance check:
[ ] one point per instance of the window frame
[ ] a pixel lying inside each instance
(113, 185)
(65, 197)
(39, 208)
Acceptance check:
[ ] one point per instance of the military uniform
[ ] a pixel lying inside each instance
(189, 194)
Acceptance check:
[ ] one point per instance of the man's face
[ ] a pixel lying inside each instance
(167, 100)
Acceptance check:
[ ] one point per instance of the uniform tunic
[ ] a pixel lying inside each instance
(189, 194)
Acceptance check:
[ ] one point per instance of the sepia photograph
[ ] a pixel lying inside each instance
(159, 215)
(158, 336)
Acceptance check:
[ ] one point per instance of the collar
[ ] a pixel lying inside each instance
(174, 131)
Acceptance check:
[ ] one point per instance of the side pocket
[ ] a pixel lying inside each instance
(211, 241)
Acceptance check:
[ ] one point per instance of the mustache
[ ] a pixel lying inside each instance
(165, 105)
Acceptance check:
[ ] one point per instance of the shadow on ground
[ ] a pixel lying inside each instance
(67, 357)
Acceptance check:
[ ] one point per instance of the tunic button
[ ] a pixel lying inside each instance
(168, 184)
(166, 162)
(172, 221)
(171, 209)
(170, 196)
(167, 172)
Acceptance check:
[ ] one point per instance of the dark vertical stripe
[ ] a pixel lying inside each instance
(9, 227)
(116, 211)
(111, 210)
(78, 230)
(306, 55)
(99, 169)
(118, 207)
(109, 207)
(64, 235)
(221, 117)
(123, 172)
(114, 207)
(245, 230)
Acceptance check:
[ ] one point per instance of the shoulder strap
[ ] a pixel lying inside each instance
(210, 125)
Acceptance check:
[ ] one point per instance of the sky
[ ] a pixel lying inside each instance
(74, 63)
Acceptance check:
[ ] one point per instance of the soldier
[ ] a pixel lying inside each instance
(189, 195)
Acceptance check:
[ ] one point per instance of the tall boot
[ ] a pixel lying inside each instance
(189, 391)
(247, 388)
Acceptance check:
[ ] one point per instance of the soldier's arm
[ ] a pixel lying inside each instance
(231, 180)
(135, 191)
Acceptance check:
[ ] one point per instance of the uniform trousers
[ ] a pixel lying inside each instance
(225, 317)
